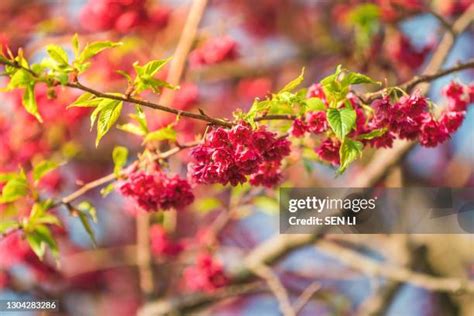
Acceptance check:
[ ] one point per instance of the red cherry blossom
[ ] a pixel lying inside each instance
(328, 150)
(206, 275)
(214, 51)
(162, 244)
(157, 191)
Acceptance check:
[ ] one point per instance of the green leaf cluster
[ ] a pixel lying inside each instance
(36, 229)
(106, 113)
(145, 76)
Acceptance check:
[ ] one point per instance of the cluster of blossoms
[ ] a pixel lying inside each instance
(401, 50)
(157, 191)
(409, 118)
(229, 155)
(122, 15)
(162, 244)
(206, 275)
(214, 51)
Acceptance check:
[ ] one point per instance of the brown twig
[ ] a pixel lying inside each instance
(143, 254)
(111, 177)
(280, 245)
(184, 46)
(376, 268)
(306, 296)
(276, 287)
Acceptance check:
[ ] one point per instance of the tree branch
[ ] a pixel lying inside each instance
(376, 268)
(280, 245)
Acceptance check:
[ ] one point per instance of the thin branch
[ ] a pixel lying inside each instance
(442, 20)
(409, 85)
(276, 287)
(376, 268)
(151, 105)
(184, 46)
(187, 302)
(143, 254)
(368, 97)
(280, 245)
(412, 83)
(306, 296)
(111, 177)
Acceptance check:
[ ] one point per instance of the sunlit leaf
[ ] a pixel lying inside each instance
(42, 168)
(165, 133)
(57, 53)
(341, 121)
(95, 48)
(119, 156)
(294, 83)
(350, 150)
(29, 102)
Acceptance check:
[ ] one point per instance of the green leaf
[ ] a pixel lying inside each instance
(36, 244)
(14, 189)
(366, 21)
(87, 226)
(109, 113)
(7, 225)
(4, 177)
(119, 156)
(75, 44)
(87, 207)
(373, 134)
(124, 74)
(315, 104)
(57, 53)
(140, 117)
(341, 121)
(151, 68)
(289, 87)
(29, 102)
(49, 219)
(132, 128)
(165, 133)
(107, 190)
(42, 168)
(95, 48)
(86, 100)
(39, 238)
(350, 150)
(21, 78)
(353, 78)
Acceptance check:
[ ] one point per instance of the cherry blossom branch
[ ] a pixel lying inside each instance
(280, 245)
(367, 98)
(384, 160)
(111, 177)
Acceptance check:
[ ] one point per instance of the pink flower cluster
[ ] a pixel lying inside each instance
(206, 275)
(157, 191)
(214, 51)
(315, 122)
(410, 118)
(122, 15)
(162, 244)
(401, 50)
(229, 155)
